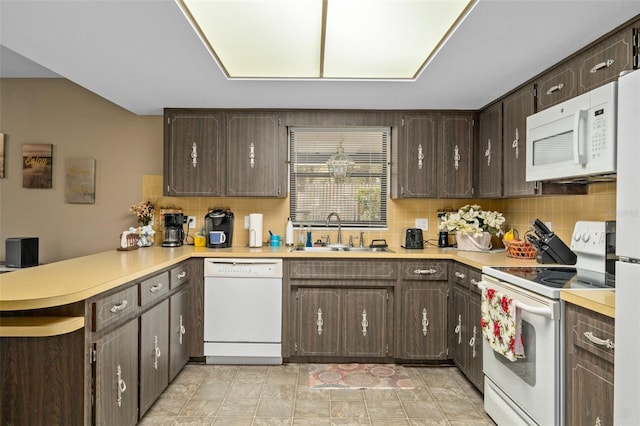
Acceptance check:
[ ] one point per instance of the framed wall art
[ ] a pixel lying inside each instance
(2, 165)
(80, 180)
(37, 165)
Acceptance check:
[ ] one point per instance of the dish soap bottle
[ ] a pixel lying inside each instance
(288, 238)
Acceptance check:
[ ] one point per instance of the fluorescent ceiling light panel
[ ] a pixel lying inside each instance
(334, 39)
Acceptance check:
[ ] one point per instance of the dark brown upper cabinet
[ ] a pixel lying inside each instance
(488, 154)
(455, 154)
(516, 108)
(193, 153)
(256, 145)
(414, 161)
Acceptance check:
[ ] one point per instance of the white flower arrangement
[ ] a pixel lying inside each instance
(471, 219)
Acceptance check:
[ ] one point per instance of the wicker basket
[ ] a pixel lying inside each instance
(520, 249)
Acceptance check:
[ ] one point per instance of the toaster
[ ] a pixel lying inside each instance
(414, 239)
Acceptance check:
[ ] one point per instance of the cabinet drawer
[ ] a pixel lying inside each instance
(591, 332)
(108, 310)
(425, 271)
(154, 288)
(342, 269)
(460, 275)
(179, 275)
(475, 276)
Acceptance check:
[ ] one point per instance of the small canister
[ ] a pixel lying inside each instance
(274, 241)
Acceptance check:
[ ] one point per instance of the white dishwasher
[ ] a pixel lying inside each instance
(243, 311)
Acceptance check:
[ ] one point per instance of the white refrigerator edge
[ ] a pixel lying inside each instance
(627, 291)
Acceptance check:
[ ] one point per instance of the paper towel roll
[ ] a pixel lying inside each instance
(255, 230)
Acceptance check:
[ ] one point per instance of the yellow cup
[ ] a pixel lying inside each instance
(199, 241)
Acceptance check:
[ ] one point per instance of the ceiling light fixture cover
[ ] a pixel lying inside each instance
(331, 39)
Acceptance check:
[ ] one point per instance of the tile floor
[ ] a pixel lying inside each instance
(280, 395)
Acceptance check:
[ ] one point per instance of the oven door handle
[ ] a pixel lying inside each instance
(545, 312)
(542, 311)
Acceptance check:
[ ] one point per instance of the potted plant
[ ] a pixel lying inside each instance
(473, 227)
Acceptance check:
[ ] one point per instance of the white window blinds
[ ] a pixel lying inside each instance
(361, 199)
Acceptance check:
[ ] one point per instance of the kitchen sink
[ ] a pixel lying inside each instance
(328, 249)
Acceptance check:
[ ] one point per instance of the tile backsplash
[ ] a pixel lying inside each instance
(561, 210)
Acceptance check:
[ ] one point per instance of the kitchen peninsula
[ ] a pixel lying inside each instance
(54, 330)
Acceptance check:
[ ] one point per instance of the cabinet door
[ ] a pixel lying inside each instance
(603, 62)
(116, 377)
(365, 323)
(455, 177)
(489, 153)
(474, 367)
(423, 322)
(474, 342)
(178, 332)
(591, 394)
(557, 85)
(193, 156)
(154, 354)
(459, 327)
(416, 157)
(516, 108)
(256, 155)
(317, 322)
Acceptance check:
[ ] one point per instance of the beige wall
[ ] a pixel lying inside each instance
(128, 153)
(78, 124)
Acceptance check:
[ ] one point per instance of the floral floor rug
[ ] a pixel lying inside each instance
(358, 376)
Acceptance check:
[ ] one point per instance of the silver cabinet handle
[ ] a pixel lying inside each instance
(252, 155)
(319, 322)
(555, 88)
(420, 156)
(182, 274)
(122, 386)
(472, 343)
(459, 275)
(155, 288)
(121, 306)
(430, 271)
(487, 153)
(364, 323)
(475, 282)
(456, 157)
(181, 331)
(194, 155)
(601, 65)
(156, 352)
(458, 329)
(425, 322)
(607, 343)
(515, 142)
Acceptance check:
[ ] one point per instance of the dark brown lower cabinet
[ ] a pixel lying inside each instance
(317, 315)
(154, 354)
(464, 323)
(589, 358)
(342, 322)
(116, 376)
(179, 332)
(423, 331)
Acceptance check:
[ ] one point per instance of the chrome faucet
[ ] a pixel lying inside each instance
(339, 242)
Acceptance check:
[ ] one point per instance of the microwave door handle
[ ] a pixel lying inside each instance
(579, 127)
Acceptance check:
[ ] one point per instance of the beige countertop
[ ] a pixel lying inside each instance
(601, 301)
(77, 279)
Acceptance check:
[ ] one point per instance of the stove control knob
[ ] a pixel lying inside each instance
(576, 236)
(585, 237)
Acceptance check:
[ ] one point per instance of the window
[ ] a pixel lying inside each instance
(361, 198)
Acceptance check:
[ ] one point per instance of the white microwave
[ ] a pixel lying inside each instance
(574, 139)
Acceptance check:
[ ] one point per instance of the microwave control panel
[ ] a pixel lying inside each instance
(598, 133)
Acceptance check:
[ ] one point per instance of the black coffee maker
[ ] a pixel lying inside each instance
(218, 226)
(173, 235)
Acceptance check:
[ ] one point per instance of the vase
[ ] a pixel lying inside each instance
(470, 242)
